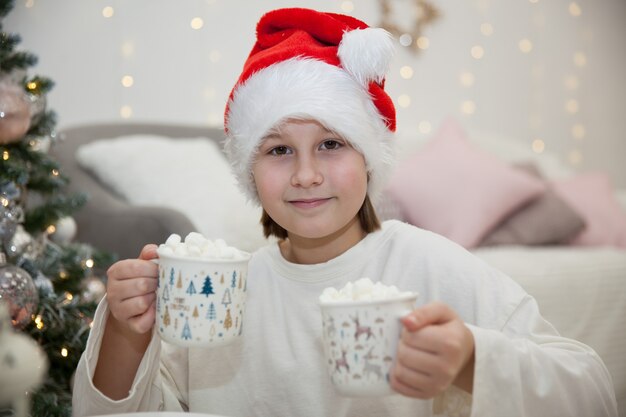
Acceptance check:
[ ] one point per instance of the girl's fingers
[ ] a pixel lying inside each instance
(144, 322)
(417, 388)
(124, 290)
(420, 384)
(131, 290)
(132, 268)
(416, 359)
(427, 339)
(133, 307)
(432, 313)
(148, 252)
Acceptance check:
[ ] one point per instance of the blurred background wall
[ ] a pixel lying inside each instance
(547, 73)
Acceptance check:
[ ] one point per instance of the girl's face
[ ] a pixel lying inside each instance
(309, 180)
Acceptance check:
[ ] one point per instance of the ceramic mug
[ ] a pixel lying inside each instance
(201, 302)
(361, 340)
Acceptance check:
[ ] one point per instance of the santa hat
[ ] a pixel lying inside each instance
(313, 65)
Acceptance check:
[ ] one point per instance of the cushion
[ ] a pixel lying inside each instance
(591, 195)
(457, 190)
(545, 220)
(190, 175)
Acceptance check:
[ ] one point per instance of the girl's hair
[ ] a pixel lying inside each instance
(367, 216)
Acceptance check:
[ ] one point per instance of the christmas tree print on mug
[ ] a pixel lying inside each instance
(196, 304)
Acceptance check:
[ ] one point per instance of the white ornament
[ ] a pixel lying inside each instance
(41, 144)
(93, 289)
(65, 230)
(21, 239)
(23, 365)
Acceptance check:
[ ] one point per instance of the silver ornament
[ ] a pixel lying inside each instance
(44, 285)
(18, 291)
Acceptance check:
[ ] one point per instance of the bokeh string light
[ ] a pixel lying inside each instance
(470, 102)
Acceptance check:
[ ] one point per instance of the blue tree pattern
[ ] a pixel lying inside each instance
(207, 287)
(211, 314)
(172, 276)
(191, 289)
(186, 331)
(233, 282)
(226, 298)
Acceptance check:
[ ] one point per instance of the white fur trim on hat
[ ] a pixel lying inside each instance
(305, 88)
(366, 54)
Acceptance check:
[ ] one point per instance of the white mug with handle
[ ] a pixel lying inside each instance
(360, 342)
(200, 301)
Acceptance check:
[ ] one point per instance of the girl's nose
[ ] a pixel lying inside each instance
(307, 172)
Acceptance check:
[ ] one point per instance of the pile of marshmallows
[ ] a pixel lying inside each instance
(196, 245)
(361, 290)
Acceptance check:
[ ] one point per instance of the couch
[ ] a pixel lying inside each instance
(581, 290)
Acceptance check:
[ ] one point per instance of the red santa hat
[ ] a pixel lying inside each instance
(313, 65)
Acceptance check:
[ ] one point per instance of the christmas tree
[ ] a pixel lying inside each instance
(49, 285)
(207, 287)
(191, 289)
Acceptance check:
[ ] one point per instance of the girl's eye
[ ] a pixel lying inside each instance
(331, 144)
(279, 150)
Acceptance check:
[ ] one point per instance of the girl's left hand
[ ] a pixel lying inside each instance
(436, 350)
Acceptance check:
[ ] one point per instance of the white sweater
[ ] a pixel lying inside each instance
(522, 366)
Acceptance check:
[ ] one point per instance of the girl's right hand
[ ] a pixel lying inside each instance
(131, 286)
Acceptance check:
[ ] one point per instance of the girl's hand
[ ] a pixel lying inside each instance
(131, 286)
(436, 350)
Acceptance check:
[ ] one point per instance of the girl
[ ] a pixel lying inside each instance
(309, 127)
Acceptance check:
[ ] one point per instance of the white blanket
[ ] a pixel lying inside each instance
(581, 291)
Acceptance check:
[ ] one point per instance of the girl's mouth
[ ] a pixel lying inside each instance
(306, 203)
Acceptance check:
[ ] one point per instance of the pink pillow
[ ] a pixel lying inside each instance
(454, 189)
(591, 195)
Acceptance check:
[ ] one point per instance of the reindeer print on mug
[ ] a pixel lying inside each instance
(358, 345)
(360, 340)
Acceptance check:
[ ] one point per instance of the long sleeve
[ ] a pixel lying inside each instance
(522, 366)
(151, 390)
(527, 368)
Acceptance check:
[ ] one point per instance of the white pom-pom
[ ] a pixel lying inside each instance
(366, 54)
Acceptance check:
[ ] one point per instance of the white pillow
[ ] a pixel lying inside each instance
(190, 175)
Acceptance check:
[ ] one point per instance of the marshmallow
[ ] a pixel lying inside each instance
(196, 245)
(172, 240)
(361, 290)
